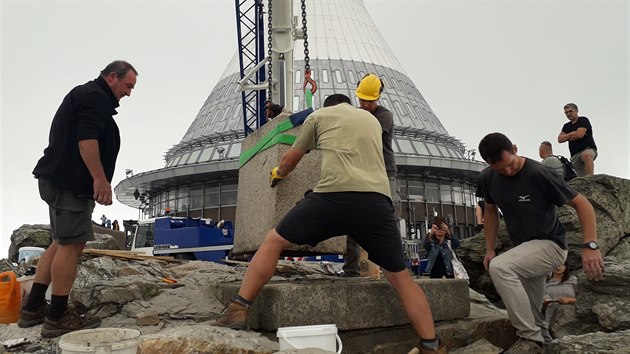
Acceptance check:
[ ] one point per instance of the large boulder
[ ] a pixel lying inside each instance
(37, 235)
(592, 343)
(104, 285)
(622, 250)
(118, 236)
(103, 242)
(610, 197)
(40, 235)
(602, 306)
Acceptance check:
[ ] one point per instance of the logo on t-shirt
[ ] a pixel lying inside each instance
(524, 198)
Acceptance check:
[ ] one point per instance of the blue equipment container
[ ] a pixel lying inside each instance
(206, 241)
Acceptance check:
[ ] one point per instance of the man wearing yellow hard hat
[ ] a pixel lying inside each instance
(369, 90)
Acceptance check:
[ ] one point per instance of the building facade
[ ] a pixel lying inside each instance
(437, 175)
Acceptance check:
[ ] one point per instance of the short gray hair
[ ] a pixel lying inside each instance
(571, 105)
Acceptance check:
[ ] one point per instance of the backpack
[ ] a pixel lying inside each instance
(569, 171)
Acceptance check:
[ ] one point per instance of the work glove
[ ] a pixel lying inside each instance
(274, 177)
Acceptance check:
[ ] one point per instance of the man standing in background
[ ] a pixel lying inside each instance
(368, 91)
(579, 133)
(75, 171)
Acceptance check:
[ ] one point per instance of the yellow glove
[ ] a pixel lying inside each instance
(274, 177)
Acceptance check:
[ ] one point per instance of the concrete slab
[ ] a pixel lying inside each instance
(485, 322)
(259, 207)
(350, 303)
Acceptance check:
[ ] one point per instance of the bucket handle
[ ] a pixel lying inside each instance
(296, 347)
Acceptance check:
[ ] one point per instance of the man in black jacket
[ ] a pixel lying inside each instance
(74, 173)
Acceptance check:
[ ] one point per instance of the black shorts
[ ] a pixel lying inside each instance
(70, 216)
(367, 217)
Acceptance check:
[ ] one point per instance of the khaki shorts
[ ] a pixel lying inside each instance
(70, 216)
(578, 164)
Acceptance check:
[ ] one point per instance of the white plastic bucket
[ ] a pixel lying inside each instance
(26, 282)
(26, 253)
(100, 341)
(318, 336)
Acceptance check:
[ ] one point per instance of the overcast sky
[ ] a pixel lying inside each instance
(482, 66)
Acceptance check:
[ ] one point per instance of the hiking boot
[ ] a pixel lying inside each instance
(30, 319)
(70, 321)
(525, 346)
(234, 316)
(421, 349)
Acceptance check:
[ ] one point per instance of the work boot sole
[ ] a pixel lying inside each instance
(56, 332)
(29, 323)
(236, 326)
(34, 319)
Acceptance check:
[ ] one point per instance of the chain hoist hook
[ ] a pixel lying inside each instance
(309, 80)
(307, 65)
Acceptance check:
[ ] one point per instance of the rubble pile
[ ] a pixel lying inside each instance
(173, 303)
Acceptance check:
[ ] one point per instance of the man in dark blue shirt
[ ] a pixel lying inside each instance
(579, 133)
(528, 194)
(75, 172)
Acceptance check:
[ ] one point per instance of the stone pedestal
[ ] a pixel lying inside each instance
(350, 303)
(260, 207)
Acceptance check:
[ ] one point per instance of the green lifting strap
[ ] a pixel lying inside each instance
(272, 138)
(278, 139)
(308, 96)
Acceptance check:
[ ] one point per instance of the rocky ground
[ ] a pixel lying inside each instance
(177, 317)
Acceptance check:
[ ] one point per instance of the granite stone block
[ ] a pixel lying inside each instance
(351, 303)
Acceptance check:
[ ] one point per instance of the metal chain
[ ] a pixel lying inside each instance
(307, 65)
(269, 39)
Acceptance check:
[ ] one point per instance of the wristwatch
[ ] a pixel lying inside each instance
(592, 245)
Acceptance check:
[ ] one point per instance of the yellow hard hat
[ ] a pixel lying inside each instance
(369, 88)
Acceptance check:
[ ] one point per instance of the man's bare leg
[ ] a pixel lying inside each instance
(64, 267)
(589, 164)
(44, 264)
(263, 265)
(414, 302)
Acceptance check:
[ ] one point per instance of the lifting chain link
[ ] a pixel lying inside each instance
(269, 52)
(308, 98)
(307, 65)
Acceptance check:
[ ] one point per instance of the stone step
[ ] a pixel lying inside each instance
(485, 323)
(350, 303)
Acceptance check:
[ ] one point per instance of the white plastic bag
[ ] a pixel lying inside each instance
(459, 271)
